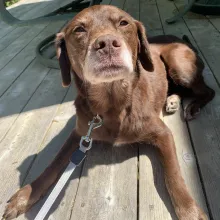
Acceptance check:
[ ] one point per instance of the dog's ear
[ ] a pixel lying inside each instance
(144, 50)
(63, 59)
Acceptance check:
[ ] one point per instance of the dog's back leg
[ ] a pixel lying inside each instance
(173, 103)
(203, 95)
(184, 68)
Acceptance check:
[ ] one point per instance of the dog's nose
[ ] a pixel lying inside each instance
(106, 42)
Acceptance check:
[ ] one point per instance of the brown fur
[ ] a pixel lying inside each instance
(129, 106)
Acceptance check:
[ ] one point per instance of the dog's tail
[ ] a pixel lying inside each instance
(187, 40)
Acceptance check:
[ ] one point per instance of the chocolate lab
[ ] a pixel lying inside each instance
(124, 79)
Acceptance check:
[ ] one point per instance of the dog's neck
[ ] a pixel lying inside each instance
(106, 98)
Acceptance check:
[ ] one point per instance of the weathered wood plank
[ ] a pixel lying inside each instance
(154, 199)
(42, 9)
(15, 67)
(23, 6)
(61, 127)
(24, 15)
(9, 38)
(14, 48)
(206, 122)
(5, 29)
(108, 185)
(207, 38)
(17, 11)
(205, 130)
(215, 20)
(149, 2)
(31, 9)
(22, 10)
(16, 97)
(105, 2)
(118, 3)
(133, 8)
(26, 10)
(205, 136)
(186, 156)
(177, 28)
(14, 100)
(22, 142)
(149, 16)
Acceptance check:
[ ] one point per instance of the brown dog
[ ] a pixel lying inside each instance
(123, 78)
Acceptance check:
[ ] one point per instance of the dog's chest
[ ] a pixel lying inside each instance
(109, 99)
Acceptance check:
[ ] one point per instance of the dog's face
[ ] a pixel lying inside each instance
(102, 44)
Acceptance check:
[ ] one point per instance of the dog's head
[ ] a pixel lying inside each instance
(102, 44)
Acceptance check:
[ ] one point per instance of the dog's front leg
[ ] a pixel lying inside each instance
(185, 207)
(27, 196)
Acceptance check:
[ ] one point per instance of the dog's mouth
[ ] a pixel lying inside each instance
(108, 67)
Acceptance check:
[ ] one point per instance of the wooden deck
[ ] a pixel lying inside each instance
(37, 115)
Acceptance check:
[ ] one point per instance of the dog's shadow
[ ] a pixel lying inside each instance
(100, 154)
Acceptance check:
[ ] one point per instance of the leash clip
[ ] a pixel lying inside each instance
(95, 123)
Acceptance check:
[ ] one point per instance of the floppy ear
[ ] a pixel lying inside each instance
(63, 59)
(143, 50)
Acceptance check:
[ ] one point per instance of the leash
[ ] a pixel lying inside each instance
(75, 160)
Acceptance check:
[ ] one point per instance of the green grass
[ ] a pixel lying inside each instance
(10, 2)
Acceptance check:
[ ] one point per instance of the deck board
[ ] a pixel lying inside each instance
(207, 38)
(57, 133)
(133, 8)
(15, 68)
(16, 98)
(17, 12)
(9, 38)
(205, 122)
(122, 183)
(205, 130)
(25, 10)
(153, 192)
(118, 3)
(154, 201)
(17, 153)
(215, 20)
(149, 16)
(186, 157)
(14, 48)
(108, 185)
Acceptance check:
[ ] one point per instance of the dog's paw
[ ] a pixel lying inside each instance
(191, 111)
(172, 104)
(18, 203)
(192, 212)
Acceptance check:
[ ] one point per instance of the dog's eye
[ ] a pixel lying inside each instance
(123, 23)
(79, 29)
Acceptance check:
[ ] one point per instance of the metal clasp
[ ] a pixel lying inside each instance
(95, 123)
